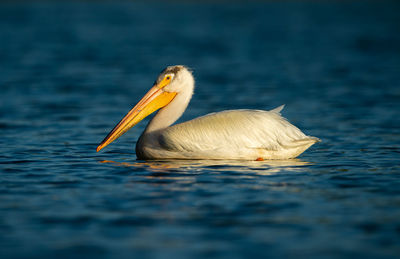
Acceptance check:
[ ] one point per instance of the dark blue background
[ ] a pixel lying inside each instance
(70, 71)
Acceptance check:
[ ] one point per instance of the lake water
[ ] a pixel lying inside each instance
(70, 71)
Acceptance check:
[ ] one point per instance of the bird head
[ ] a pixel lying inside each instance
(171, 81)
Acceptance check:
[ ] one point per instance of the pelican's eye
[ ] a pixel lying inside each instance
(169, 77)
(166, 80)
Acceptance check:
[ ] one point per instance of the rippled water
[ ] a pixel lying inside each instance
(70, 71)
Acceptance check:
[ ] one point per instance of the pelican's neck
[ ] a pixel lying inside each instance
(173, 111)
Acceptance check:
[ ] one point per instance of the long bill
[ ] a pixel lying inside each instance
(153, 100)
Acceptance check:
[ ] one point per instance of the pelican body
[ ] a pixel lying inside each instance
(232, 134)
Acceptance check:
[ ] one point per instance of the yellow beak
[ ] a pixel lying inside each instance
(155, 99)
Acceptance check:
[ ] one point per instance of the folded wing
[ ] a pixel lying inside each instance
(235, 131)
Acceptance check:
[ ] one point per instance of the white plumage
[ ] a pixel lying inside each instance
(233, 134)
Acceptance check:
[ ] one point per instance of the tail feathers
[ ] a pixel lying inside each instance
(302, 142)
(315, 139)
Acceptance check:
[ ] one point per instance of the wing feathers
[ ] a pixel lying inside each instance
(278, 109)
(235, 129)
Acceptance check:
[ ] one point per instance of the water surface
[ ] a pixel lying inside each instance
(70, 71)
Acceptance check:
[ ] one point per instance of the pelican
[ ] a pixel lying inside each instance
(232, 134)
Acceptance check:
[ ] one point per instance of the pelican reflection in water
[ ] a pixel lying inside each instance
(182, 167)
(232, 134)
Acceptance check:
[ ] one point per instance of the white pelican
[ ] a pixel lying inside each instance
(232, 134)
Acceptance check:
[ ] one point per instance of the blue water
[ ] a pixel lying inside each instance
(70, 71)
